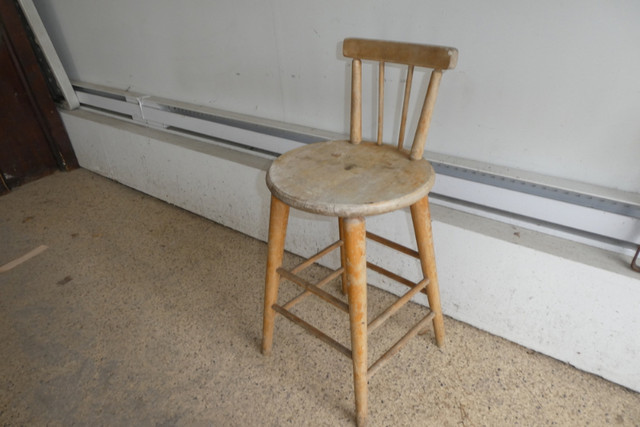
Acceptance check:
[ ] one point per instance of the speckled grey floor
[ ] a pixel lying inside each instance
(140, 313)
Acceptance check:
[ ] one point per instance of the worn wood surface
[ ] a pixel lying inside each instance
(278, 221)
(421, 217)
(421, 55)
(342, 179)
(356, 260)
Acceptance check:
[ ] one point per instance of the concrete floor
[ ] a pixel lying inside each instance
(139, 313)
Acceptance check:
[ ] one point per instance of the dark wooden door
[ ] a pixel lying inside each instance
(33, 141)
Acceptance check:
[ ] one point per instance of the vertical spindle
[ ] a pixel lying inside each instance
(356, 102)
(425, 116)
(405, 106)
(380, 101)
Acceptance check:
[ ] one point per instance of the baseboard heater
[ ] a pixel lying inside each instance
(594, 215)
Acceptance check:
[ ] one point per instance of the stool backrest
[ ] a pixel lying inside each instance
(437, 58)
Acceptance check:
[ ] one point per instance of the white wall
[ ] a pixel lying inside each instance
(548, 86)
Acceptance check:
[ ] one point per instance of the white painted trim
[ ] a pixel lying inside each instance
(30, 12)
(585, 219)
(606, 227)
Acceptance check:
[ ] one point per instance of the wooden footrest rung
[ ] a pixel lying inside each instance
(306, 263)
(390, 274)
(398, 345)
(314, 289)
(313, 330)
(320, 284)
(393, 245)
(393, 308)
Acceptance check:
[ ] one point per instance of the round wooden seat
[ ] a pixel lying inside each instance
(338, 178)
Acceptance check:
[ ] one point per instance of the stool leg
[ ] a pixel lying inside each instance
(343, 256)
(277, 231)
(356, 264)
(422, 225)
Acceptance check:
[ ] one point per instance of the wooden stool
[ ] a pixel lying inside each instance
(351, 180)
